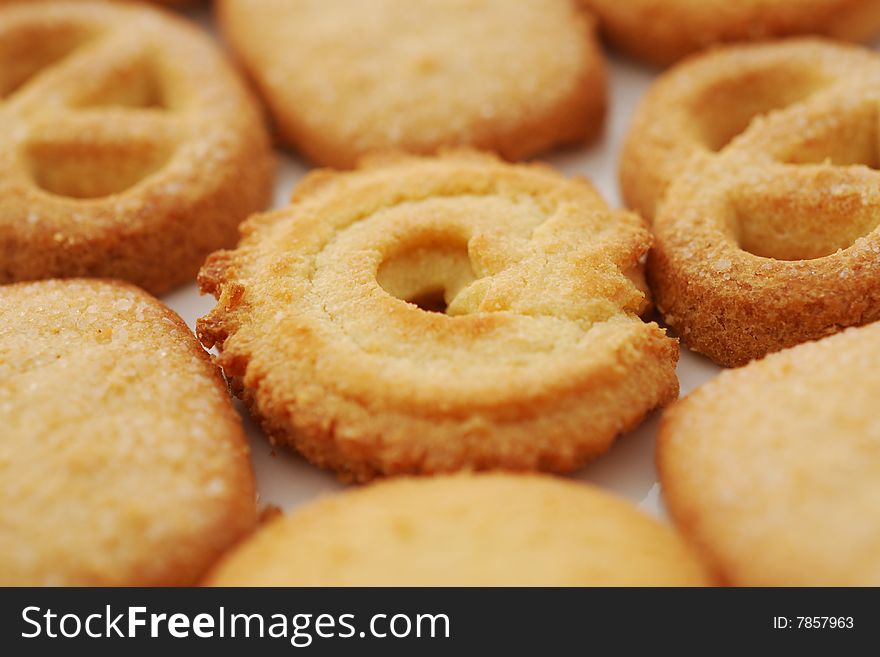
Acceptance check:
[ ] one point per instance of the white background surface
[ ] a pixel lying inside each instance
(287, 480)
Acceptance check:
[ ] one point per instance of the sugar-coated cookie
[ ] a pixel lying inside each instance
(759, 165)
(425, 315)
(663, 31)
(466, 530)
(129, 148)
(122, 461)
(698, 108)
(344, 78)
(773, 470)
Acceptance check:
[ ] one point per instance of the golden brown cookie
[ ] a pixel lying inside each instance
(773, 470)
(663, 31)
(471, 530)
(762, 161)
(698, 108)
(122, 461)
(172, 3)
(128, 146)
(430, 314)
(346, 78)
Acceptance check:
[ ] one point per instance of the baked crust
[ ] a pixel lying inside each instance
(698, 108)
(766, 234)
(771, 470)
(128, 149)
(122, 461)
(663, 31)
(464, 530)
(539, 361)
(513, 78)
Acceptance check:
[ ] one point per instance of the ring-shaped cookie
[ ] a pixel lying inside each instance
(537, 357)
(773, 239)
(697, 109)
(129, 148)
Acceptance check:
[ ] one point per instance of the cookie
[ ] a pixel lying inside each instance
(172, 3)
(698, 109)
(425, 315)
(466, 530)
(346, 78)
(122, 461)
(767, 231)
(663, 31)
(773, 470)
(129, 148)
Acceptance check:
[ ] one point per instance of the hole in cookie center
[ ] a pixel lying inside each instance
(428, 274)
(433, 301)
(134, 83)
(727, 108)
(87, 171)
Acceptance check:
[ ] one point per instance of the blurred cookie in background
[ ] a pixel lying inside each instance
(663, 31)
(344, 77)
(129, 147)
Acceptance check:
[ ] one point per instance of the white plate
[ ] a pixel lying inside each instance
(286, 479)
